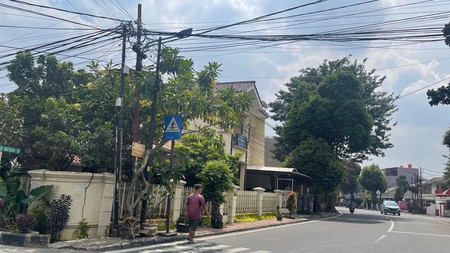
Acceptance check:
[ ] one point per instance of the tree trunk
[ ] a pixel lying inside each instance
(316, 204)
(216, 217)
(330, 203)
(137, 173)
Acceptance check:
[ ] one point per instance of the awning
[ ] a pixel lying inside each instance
(292, 171)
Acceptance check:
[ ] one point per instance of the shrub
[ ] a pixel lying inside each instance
(25, 222)
(82, 230)
(216, 178)
(291, 202)
(59, 216)
(41, 217)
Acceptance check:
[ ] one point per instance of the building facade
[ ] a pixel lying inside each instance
(411, 174)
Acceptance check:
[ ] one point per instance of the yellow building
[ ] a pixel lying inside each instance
(248, 139)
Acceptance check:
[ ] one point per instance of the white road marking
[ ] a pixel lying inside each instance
(265, 229)
(219, 246)
(227, 235)
(379, 239)
(235, 250)
(391, 227)
(260, 251)
(414, 233)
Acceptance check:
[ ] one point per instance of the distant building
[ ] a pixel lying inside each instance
(270, 161)
(393, 173)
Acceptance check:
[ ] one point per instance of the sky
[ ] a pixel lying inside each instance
(410, 67)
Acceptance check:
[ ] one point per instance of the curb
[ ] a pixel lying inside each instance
(148, 241)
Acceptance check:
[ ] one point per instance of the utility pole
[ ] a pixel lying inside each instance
(420, 191)
(119, 137)
(139, 56)
(151, 138)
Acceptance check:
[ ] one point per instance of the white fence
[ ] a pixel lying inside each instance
(237, 202)
(246, 202)
(269, 202)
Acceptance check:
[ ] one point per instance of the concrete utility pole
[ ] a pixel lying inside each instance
(139, 57)
(119, 137)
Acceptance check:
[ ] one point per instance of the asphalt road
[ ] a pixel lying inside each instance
(363, 231)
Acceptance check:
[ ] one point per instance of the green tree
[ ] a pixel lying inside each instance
(47, 100)
(403, 186)
(446, 142)
(201, 147)
(216, 179)
(372, 179)
(316, 159)
(190, 94)
(350, 183)
(340, 102)
(440, 95)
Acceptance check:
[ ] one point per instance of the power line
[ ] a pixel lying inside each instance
(68, 11)
(46, 15)
(412, 92)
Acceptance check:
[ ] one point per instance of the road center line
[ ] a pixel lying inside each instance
(379, 239)
(414, 233)
(391, 227)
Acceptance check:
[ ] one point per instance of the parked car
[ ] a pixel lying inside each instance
(390, 206)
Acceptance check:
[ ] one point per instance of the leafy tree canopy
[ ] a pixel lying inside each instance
(373, 179)
(199, 148)
(339, 102)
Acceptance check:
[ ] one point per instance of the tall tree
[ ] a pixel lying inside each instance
(402, 187)
(328, 92)
(315, 158)
(372, 179)
(446, 142)
(60, 112)
(190, 94)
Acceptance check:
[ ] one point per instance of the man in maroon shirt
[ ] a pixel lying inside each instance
(195, 206)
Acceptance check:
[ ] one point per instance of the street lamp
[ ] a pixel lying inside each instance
(182, 34)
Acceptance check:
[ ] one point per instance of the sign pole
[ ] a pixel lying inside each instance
(170, 177)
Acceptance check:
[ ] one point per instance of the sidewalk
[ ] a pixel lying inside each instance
(115, 243)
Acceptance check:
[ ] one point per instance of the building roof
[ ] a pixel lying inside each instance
(239, 86)
(435, 180)
(273, 169)
(277, 170)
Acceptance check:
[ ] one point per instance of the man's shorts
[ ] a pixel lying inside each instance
(193, 224)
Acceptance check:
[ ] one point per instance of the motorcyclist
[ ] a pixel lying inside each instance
(351, 207)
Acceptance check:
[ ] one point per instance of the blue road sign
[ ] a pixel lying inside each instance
(173, 127)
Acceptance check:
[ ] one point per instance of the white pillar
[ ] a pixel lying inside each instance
(279, 198)
(259, 199)
(232, 204)
(175, 208)
(242, 177)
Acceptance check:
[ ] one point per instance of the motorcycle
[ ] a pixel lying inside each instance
(351, 208)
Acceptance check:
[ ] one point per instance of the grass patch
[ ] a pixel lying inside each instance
(254, 217)
(162, 225)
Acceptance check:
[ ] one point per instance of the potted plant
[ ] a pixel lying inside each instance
(182, 225)
(279, 215)
(291, 203)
